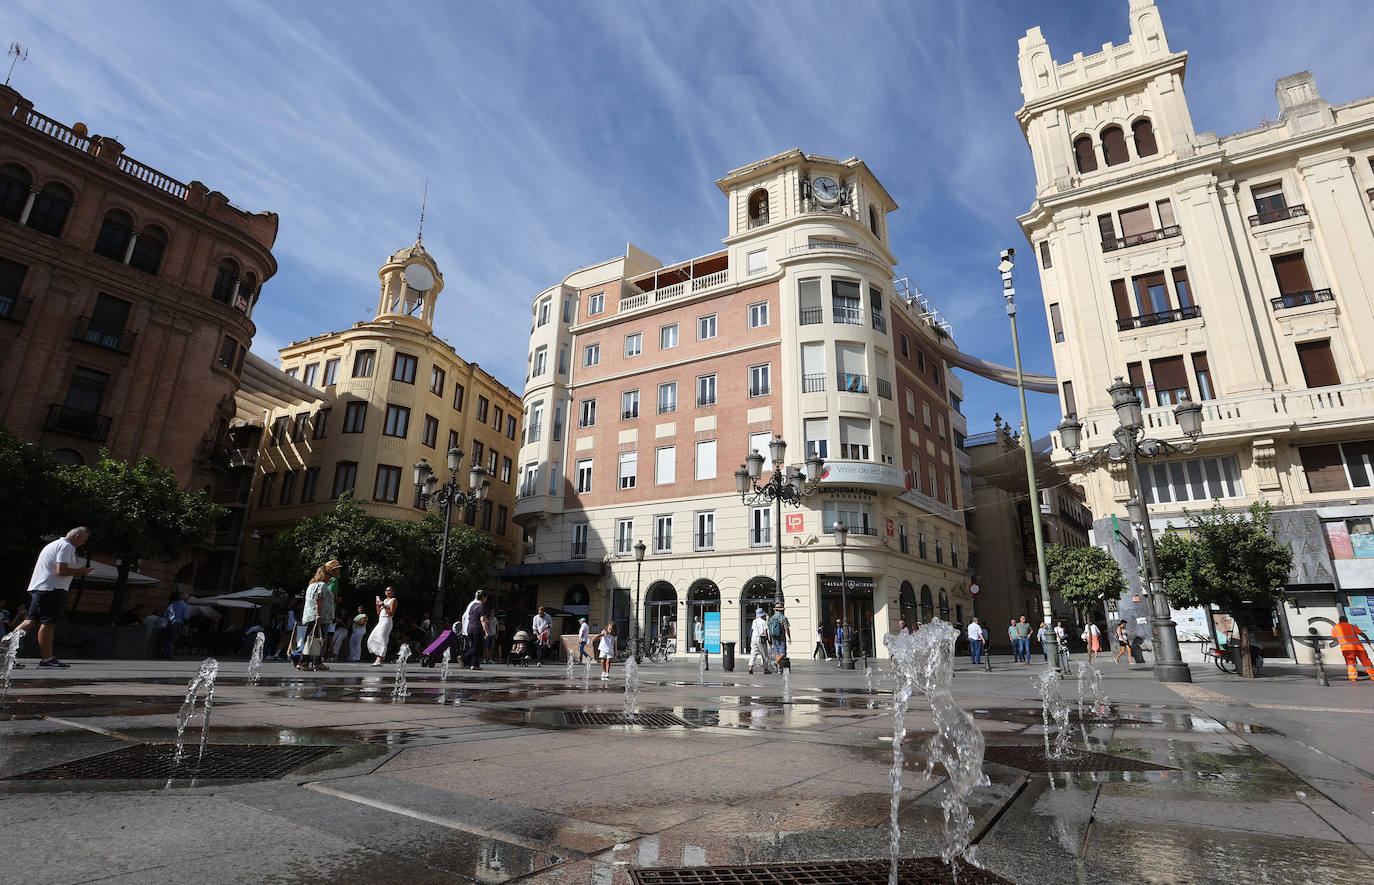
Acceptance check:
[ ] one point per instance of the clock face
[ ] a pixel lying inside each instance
(825, 189)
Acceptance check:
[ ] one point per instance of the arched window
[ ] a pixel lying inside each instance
(69, 457)
(1083, 154)
(148, 249)
(14, 190)
(927, 605)
(906, 603)
(225, 279)
(1144, 135)
(50, 209)
(660, 609)
(248, 291)
(1114, 146)
(758, 208)
(114, 235)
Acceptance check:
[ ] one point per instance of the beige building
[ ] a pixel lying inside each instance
(650, 382)
(1228, 270)
(393, 393)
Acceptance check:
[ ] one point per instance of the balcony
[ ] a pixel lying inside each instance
(821, 249)
(761, 538)
(813, 383)
(1149, 236)
(851, 383)
(1272, 215)
(1300, 299)
(118, 340)
(77, 422)
(849, 316)
(704, 541)
(884, 388)
(1157, 319)
(676, 290)
(879, 322)
(14, 308)
(213, 453)
(758, 222)
(756, 390)
(809, 316)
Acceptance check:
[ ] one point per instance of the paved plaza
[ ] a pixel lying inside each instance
(498, 776)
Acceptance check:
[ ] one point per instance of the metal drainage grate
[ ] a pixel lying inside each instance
(154, 762)
(912, 871)
(1034, 758)
(643, 720)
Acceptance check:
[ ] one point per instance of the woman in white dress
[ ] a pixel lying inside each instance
(381, 634)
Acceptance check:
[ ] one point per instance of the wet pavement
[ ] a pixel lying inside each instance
(493, 776)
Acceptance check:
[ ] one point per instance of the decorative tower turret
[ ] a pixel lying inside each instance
(411, 282)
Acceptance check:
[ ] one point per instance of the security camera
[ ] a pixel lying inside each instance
(1008, 254)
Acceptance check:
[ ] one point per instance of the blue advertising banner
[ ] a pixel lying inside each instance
(711, 623)
(1357, 609)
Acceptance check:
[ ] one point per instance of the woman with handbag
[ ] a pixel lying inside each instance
(313, 618)
(380, 637)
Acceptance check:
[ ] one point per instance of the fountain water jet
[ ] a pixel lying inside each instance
(787, 685)
(448, 662)
(587, 672)
(868, 678)
(1053, 706)
(398, 689)
(701, 669)
(631, 685)
(572, 662)
(11, 655)
(1100, 706)
(204, 678)
(255, 659)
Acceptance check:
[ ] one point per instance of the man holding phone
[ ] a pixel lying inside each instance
(52, 576)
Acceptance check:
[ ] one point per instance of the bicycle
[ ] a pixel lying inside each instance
(1227, 660)
(659, 649)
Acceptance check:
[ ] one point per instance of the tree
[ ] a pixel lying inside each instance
(1084, 576)
(31, 485)
(136, 511)
(1231, 558)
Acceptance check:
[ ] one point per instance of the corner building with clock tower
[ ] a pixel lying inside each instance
(649, 383)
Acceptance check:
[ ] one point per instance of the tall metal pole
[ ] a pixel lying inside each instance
(777, 538)
(847, 662)
(437, 615)
(638, 644)
(1169, 666)
(1051, 641)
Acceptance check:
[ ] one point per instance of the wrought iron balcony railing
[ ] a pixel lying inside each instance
(1299, 299)
(1111, 244)
(1156, 319)
(1272, 215)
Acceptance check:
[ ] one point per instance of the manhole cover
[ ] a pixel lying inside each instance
(643, 720)
(1034, 758)
(912, 871)
(154, 762)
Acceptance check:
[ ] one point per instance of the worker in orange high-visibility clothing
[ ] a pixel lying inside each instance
(1349, 636)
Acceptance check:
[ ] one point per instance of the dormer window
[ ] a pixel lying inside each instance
(1144, 135)
(1083, 154)
(1114, 146)
(758, 208)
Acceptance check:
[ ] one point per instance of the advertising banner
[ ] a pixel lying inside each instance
(711, 624)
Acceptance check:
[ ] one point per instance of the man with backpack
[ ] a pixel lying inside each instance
(779, 633)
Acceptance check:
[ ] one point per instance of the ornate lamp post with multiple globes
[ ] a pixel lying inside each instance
(637, 638)
(788, 484)
(429, 493)
(847, 659)
(1130, 446)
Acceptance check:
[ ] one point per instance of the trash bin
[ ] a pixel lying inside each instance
(727, 656)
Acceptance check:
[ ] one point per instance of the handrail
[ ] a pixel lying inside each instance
(1155, 319)
(1272, 215)
(1299, 299)
(1148, 236)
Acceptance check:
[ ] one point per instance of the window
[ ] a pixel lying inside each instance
(310, 374)
(105, 327)
(629, 405)
(1084, 157)
(148, 248)
(706, 459)
(50, 208)
(1166, 213)
(844, 300)
(477, 451)
(667, 397)
(591, 355)
(506, 470)
(545, 307)
(706, 390)
(563, 360)
(534, 426)
(584, 476)
(429, 436)
(586, 413)
(954, 561)
(706, 327)
(759, 380)
(1144, 135)
(758, 314)
(568, 309)
(482, 406)
(758, 208)
(1269, 202)
(269, 484)
(403, 369)
(875, 305)
(663, 534)
(116, 230)
(1056, 323)
(756, 262)
(1203, 376)
(541, 362)
(1137, 220)
(913, 472)
(501, 514)
(629, 469)
(1045, 261)
(579, 540)
(458, 397)
(492, 457)
(436, 381)
(529, 479)
(1198, 479)
(557, 422)
(910, 403)
(1114, 146)
(1291, 273)
(345, 477)
(665, 465)
(310, 484)
(858, 517)
(624, 537)
(397, 421)
(704, 537)
(331, 372)
(854, 439)
(299, 427)
(940, 424)
(809, 302)
(322, 423)
(1181, 289)
(388, 486)
(760, 526)
(817, 437)
(530, 544)
(355, 415)
(15, 183)
(634, 344)
(1338, 467)
(758, 442)
(925, 415)
(1070, 404)
(1136, 375)
(452, 440)
(1107, 230)
(596, 303)
(1171, 380)
(921, 544)
(364, 362)
(906, 347)
(291, 372)
(667, 336)
(1151, 295)
(498, 414)
(510, 427)
(1318, 365)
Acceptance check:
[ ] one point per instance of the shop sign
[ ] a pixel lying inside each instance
(1302, 531)
(863, 472)
(854, 584)
(794, 522)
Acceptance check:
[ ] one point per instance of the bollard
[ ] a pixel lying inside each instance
(1317, 657)
(987, 656)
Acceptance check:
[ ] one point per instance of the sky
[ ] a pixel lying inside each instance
(553, 133)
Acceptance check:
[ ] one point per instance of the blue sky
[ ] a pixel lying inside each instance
(552, 133)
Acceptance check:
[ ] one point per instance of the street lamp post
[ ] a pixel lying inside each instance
(789, 484)
(640, 547)
(1131, 445)
(847, 660)
(1009, 292)
(429, 493)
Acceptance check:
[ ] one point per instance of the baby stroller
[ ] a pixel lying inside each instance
(520, 647)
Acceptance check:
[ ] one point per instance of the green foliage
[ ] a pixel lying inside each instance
(375, 553)
(1084, 576)
(1230, 558)
(32, 487)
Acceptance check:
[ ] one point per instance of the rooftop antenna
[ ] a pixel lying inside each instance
(18, 53)
(419, 236)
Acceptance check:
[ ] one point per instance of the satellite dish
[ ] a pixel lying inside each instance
(419, 277)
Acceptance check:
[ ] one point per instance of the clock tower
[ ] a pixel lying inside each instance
(411, 283)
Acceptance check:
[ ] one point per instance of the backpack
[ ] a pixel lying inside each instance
(775, 628)
(170, 615)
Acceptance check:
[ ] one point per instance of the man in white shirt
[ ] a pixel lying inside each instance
(542, 625)
(52, 575)
(758, 641)
(583, 634)
(975, 641)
